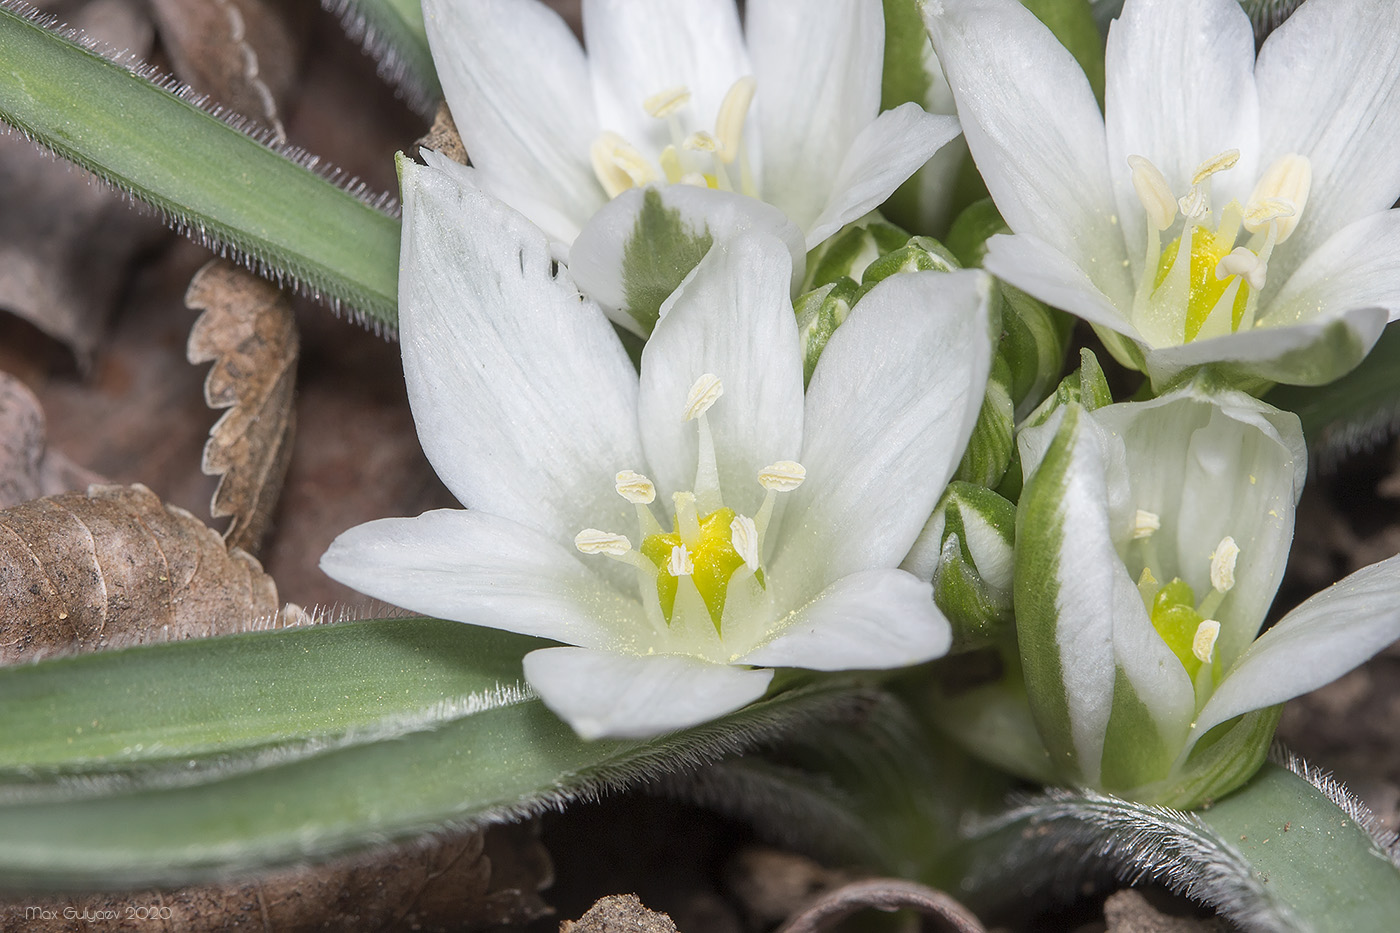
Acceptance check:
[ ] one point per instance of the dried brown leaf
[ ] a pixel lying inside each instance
(248, 330)
(67, 245)
(443, 137)
(885, 894)
(28, 468)
(474, 882)
(116, 567)
(242, 53)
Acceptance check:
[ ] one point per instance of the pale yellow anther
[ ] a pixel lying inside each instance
(700, 141)
(680, 563)
(664, 103)
(1259, 214)
(635, 488)
(1145, 523)
(703, 394)
(1243, 262)
(1289, 180)
(1203, 644)
(1220, 163)
(671, 164)
(618, 164)
(1153, 191)
(783, 476)
(694, 179)
(1194, 204)
(729, 125)
(593, 541)
(743, 534)
(1222, 564)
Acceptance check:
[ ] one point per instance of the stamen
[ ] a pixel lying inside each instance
(635, 488)
(593, 541)
(1222, 564)
(680, 563)
(1153, 191)
(703, 394)
(1219, 163)
(664, 103)
(1203, 644)
(687, 517)
(1195, 204)
(1144, 524)
(1243, 262)
(694, 179)
(744, 536)
(618, 164)
(671, 164)
(783, 476)
(1261, 213)
(729, 125)
(700, 141)
(1288, 179)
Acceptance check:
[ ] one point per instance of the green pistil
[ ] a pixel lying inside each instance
(712, 554)
(1175, 618)
(1207, 249)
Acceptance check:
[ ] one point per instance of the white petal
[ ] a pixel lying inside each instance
(607, 695)
(870, 620)
(1095, 615)
(889, 410)
(524, 399)
(732, 318)
(597, 260)
(1321, 640)
(485, 570)
(818, 67)
(637, 48)
(1311, 353)
(1180, 90)
(517, 83)
(1357, 267)
(879, 160)
(1035, 130)
(1211, 467)
(1329, 89)
(1042, 271)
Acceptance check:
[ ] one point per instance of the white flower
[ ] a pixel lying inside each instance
(1279, 173)
(672, 93)
(685, 531)
(1151, 538)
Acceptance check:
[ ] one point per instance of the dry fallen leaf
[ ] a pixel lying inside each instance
(116, 567)
(67, 244)
(619, 913)
(248, 330)
(443, 137)
(28, 468)
(242, 53)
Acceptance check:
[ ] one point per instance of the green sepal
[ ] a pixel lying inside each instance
(659, 253)
(1134, 750)
(1034, 341)
(993, 442)
(1224, 759)
(847, 253)
(920, 254)
(819, 313)
(973, 522)
(1086, 386)
(974, 226)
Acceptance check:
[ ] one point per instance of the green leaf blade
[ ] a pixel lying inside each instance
(212, 181)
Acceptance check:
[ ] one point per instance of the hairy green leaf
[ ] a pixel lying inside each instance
(392, 32)
(236, 192)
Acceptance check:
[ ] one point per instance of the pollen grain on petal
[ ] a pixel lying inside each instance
(783, 476)
(703, 394)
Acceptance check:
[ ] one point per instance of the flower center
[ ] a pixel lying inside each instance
(699, 158)
(1211, 287)
(702, 582)
(1187, 626)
